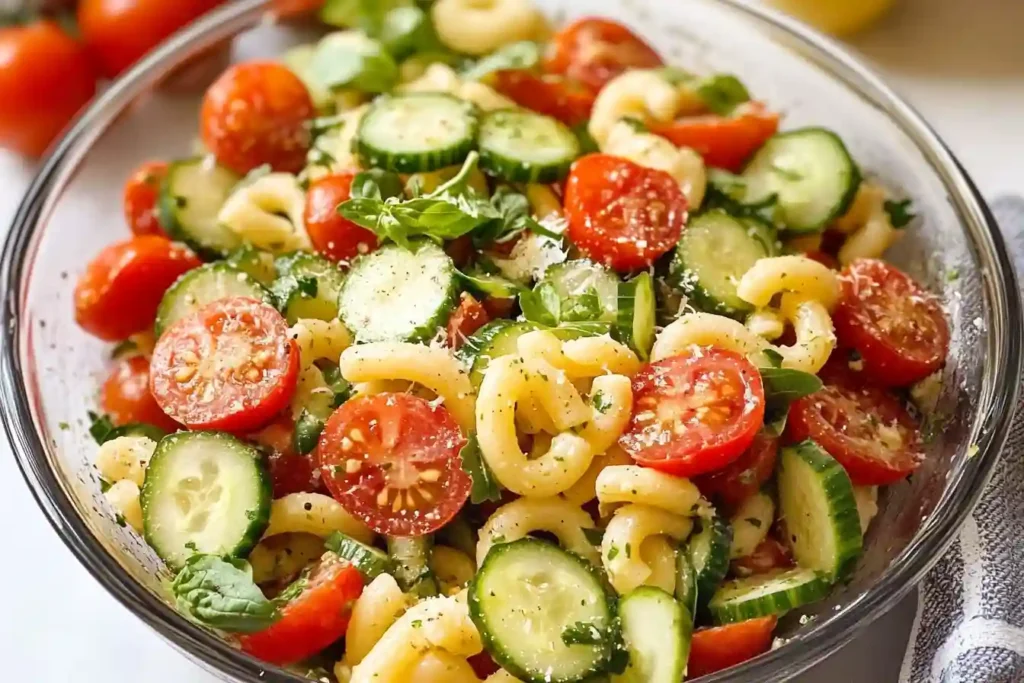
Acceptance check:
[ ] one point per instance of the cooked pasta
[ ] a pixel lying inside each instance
(585, 488)
(706, 329)
(123, 496)
(626, 532)
(544, 203)
(476, 27)
(611, 404)
(660, 557)
(256, 213)
(867, 505)
(751, 523)
(453, 568)
(125, 458)
(868, 226)
(653, 151)
(796, 274)
(642, 95)
(377, 609)
(632, 484)
(766, 323)
(442, 78)
(528, 515)
(313, 513)
(284, 556)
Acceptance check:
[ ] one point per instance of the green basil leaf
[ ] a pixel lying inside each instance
(781, 387)
(345, 61)
(376, 184)
(583, 633)
(586, 306)
(341, 13)
(774, 357)
(408, 30)
(365, 212)
(220, 593)
(900, 213)
(722, 93)
(514, 56)
(307, 286)
(341, 387)
(101, 427)
(485, 486)
(541, 305)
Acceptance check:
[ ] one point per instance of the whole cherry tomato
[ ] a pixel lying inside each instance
(126, 397)
(334, 237)
(593, 51)
(140, 196)
(45, 78)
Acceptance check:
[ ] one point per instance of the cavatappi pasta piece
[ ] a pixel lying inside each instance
(284, 556)
(313, 513)
(125, 458)
(653, 151)
(437, 666)
(431, 367)
(582, 358)
(633, 484)
(317, 340)
(815, 335)
(453, 568)
(660, 556)
(476, 27)
(379, 606)
(442, 78)
(611, 403)
(440, 623)
(585, 489)
(866, 498)
(766, 323)
(638, 94)
(525, 516)
(509, 380)
(123, 496)
(254, 213)
(625, 534)
(868, 226)
(925, 394)
(796, 274)
(544, 203)
(750, 524)
(706, 329)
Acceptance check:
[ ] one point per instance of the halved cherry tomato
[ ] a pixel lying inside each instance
(864, 427)
(769, 555)
(140, 196)
(896, 325)
(550, 95)
(290, 472)
(622, 214)
(392, 460)
(256, 114)
(593, 51)
(45, 78)
(334, 237)
(121, 288)
(694, 413)
(119, 32)
(314, 619)
(743, 477)
(724, 141)
(231, 365)
(714, 649)
(483, 665)
(469, 317)
(126, 397)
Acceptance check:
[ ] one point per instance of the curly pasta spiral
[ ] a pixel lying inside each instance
(254, 214)
(653, 151)
(637, 94)
(476, 27)
(525, 516)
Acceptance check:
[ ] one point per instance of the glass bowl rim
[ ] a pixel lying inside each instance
(818, 640)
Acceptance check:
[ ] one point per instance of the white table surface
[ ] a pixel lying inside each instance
(961, 62)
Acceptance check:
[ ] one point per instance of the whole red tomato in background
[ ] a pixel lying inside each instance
(118, 33)
(45, 78)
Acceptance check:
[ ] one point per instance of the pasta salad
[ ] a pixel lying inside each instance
(472, 348)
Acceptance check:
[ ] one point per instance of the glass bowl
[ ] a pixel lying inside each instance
(51, 369)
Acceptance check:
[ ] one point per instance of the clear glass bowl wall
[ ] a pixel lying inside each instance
(51, 369)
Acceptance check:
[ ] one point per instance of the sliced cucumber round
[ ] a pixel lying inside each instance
(416, 132)
(528, 598)
(636, 315)
(257, 263)
(816, 500)
(575, 279)
(205, 492)
(370, 561)
(308, 287)
(686, 583)
(811, 174)
(399, 294)
(490, 284)
(191, 196)
(716, 249)
(410, 557)
(522, 146)
(495, 339)
(204, 285)
(763, 595)
(708, 552)
(657, 630)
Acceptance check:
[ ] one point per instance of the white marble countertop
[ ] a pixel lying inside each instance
(960, 62)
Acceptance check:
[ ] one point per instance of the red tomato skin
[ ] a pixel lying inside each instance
(126, 398)
(714, 649)
(691, 453)
(874, 295)
(141, 192)
(235, 404)
(421, 435)
(483, 665)
(865, 458)
(46, 77)
(119, 32)
(743, 477)
(290, 472)
(335, 238)
(467, 318)
(724, 141)
(121, 288)
(256, 114)
(312, 621)
(621, 214)
(608, 48)
(768, 556)
(550, 95)
(498, 308)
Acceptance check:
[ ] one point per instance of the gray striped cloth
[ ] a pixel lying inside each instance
(970, 617)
